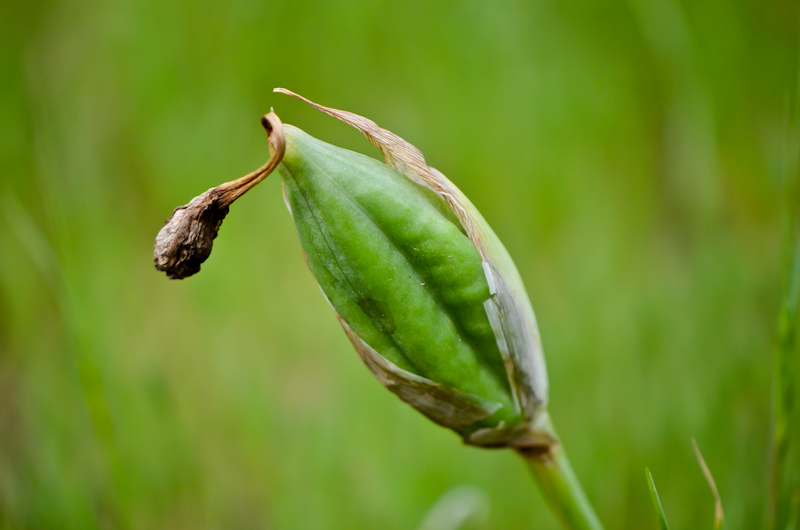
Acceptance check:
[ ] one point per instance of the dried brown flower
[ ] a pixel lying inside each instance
(187, 237)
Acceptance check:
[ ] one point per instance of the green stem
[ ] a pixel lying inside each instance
(560, 486)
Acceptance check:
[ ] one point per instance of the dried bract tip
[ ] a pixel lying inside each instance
(186, 239)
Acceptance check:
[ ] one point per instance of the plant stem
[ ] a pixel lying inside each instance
(560, 486)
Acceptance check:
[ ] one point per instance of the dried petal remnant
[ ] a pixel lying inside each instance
(187, 237)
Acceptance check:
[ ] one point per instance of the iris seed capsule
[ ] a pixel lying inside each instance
(399, 243)
(396, 268)
(423, 288)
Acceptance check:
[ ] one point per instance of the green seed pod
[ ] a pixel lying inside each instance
(425, 291)
(423, 288)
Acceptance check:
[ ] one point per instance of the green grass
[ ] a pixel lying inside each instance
(662, 518)
(626, 153)
(784, 485)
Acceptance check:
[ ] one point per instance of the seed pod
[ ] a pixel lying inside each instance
(425, 291)
(423, 288)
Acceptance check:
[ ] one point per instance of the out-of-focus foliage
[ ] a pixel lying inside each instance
(627, 153)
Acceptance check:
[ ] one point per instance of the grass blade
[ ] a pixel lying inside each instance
(460, 507)
(662, 519)
(719, 515)
(784, 486)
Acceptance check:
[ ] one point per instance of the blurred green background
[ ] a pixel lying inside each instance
(629, 154)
